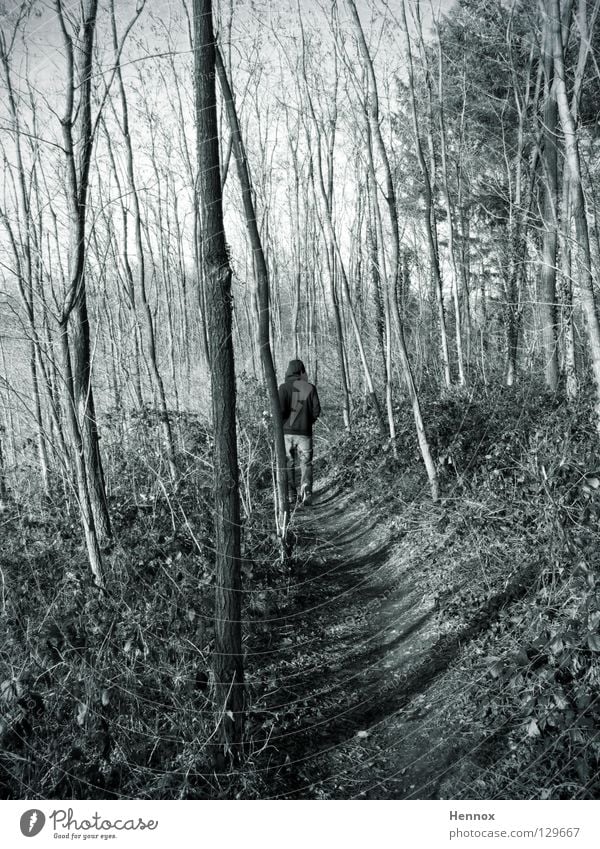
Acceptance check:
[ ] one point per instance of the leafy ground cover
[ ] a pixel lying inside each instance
(512, 562)
(409, 650)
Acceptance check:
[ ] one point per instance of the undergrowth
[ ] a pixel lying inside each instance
(111, 696)
(520, 475)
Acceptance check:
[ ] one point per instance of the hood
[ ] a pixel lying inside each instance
(296, 367)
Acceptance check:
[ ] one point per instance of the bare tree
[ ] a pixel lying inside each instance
(227, 660)
(263, 297)
(147, 317)
(547, 286)
(395, 261)
(572, 154)
(430, 223)
(450, 217)
(24, 245)
(326, 220)
(74, 326)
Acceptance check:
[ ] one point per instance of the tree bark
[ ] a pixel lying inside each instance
(430, 225)
(227, 659)
(547, 285)
(576, 195)
(147, 317)
(391, 293)
(450, 218)
(326, 221)
(27, 242)
(569, 363)
(74, 322)
(263, 298)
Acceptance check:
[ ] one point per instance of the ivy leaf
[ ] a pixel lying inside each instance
(10, 690)
(496, 666)
(520, 658)
(593, 641)
(533, 729)
(559, 699)
(556, 646)
(571, 638)
(576, 735)
(594, 619)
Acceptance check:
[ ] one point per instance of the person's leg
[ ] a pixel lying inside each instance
(305, 457)
(290, 456)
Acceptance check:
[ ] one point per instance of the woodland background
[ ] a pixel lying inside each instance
(404, 195)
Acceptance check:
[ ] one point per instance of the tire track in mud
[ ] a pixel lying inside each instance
(362, 648)
(357, 621)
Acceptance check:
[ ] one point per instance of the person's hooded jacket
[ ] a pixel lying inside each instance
(298, 400)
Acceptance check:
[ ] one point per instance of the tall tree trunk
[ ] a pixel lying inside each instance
(333, 241)
(3, 486)
(391, 289)
(227, 659)
(378, 267)
(28, 243)
(74, 322)
(584, 270)
(569, 364)
(80, 455)
(339, 332)
(373, 245)
(326, 221)
(263, 297)
(450, 217)
(147, 317)
(127, 278)
(547, 285)
(430, 225)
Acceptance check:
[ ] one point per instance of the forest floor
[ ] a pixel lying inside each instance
(361, 695)
(433, 650)
(410, 649)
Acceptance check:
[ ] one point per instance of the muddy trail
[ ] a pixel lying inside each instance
(353, 701)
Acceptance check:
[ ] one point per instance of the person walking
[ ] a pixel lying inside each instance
(300, 408)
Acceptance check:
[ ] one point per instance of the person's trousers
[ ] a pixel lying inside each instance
(299, 453)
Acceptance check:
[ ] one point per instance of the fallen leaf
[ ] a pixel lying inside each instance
(593, 641)
(81, 713)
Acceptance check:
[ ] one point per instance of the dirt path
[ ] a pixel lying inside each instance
(359, 648)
